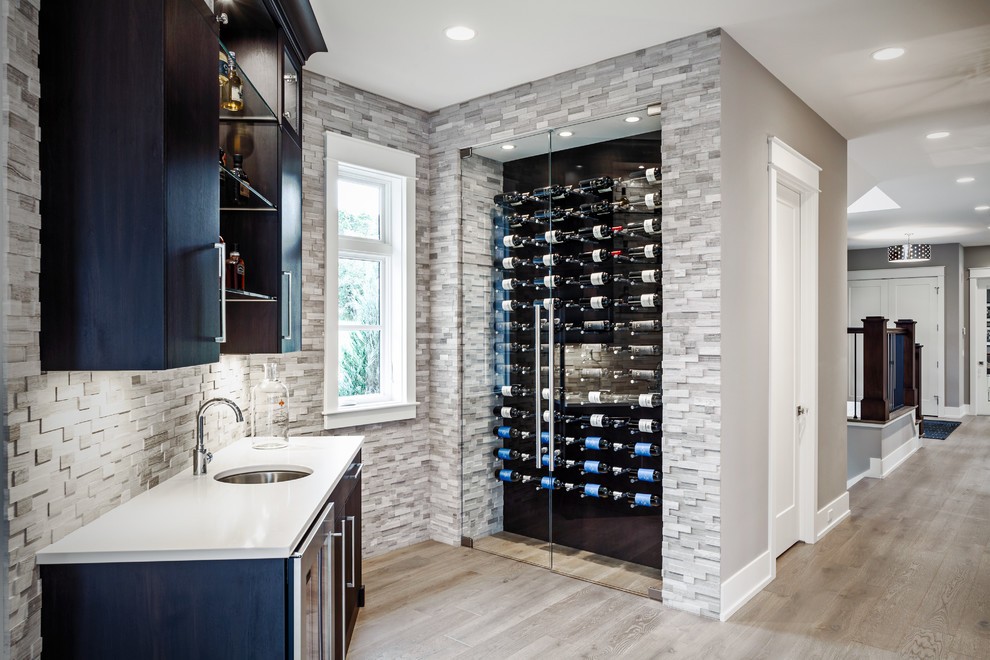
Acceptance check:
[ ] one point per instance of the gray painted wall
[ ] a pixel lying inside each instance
(949, 255)
(977, 256)
(755, 106)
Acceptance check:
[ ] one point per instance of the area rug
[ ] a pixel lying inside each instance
(938, 429)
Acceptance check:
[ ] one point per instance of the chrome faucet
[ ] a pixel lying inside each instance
(200, 456)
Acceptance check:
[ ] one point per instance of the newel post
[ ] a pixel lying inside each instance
(874, 406)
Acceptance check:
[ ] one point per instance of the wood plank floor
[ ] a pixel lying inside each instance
(906, 575)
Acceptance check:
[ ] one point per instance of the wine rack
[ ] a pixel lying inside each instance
(577, 353)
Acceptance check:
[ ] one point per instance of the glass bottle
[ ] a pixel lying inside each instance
(231, 94)
(270, 411)
(235, 270)
(241, 194)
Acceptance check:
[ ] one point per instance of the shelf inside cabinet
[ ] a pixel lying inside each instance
(255, 107)
(235, 295)
(259, 202)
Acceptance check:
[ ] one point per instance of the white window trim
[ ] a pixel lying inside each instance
(402, 312)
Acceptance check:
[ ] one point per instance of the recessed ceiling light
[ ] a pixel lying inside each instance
(459, 33)
(938, 135)
(565, 134)
(508, 146)
(981, 207)
(633, 119)
(888, 53)
(965, 179)
(874, 200)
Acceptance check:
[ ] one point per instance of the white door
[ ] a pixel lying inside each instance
(785, 344)
(866, 298)
(917, 298)
(981, 358)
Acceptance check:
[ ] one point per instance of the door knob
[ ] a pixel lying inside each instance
(801, 410)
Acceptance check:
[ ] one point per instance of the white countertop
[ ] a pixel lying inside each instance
(196, 517)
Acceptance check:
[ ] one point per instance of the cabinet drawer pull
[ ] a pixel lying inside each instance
(357, 471)
(288, 298)
(222, 254)
(352, 583)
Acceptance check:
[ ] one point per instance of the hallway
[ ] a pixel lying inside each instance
(906, 575)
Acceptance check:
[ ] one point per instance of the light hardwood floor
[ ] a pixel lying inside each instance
(907, 575)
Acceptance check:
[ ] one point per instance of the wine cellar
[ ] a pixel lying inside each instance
(567, 471)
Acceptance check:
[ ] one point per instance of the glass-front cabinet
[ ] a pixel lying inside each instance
(562, 350)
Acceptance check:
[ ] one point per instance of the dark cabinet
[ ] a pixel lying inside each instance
(261, 216)
(347, 572)
(130, 271)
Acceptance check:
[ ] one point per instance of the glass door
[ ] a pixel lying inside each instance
(562, 341)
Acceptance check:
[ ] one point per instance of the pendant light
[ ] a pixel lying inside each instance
(909, 252)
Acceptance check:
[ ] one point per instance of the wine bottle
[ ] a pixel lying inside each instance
(235, 269)
(241, 193)
(513, 347)
(513, 476)
(547, 260)
(510, 263)
(595, 490)
(511, 305)
(652, 325)
(554, 237)
(638, 350)
(597, 185)
(548, 281)
(593, 303)
(597, 232)
(590, 372)
(645, 448)
(513, 283)
(647, 227)
(651, 174)
(551, 215)
(224, 68)
(603, 396)
(511, 412)
(512, 326)
(231, 94)
(596, 443)
(595, 209)
(552, 192)
(649, 251)
(511, 433)
(506, 454)
(514, 390)
(545, 460)
(594, 467)
(515, 220)
(550, 304)
(639, 499)
(649, 276)
(557, 438)
(647, 300)
(644, 374)
(647, 426)
(603, 325)
(513, 241)
(649, 400)
(553, 483)
(650, 202)
(510, 200)
(599, 256)
(647, 474)
(591, 279)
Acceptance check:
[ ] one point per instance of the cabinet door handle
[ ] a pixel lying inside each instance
(222, 255)
(357, 471)
(288, 299)
(343, 590)
(352, 583)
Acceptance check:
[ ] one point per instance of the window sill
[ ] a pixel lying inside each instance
(369, 414)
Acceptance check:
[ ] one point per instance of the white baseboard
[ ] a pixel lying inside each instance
(749, 581)
(955, 412)
(884, 466)
(859, 477)
(839, 508)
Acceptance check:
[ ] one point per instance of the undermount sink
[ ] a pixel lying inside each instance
(263, 475)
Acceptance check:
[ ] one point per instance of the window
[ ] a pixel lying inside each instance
(370, 310)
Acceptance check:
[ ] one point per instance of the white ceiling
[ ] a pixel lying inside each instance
(818, 48)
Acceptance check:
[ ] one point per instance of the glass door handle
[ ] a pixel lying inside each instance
(537, 390)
